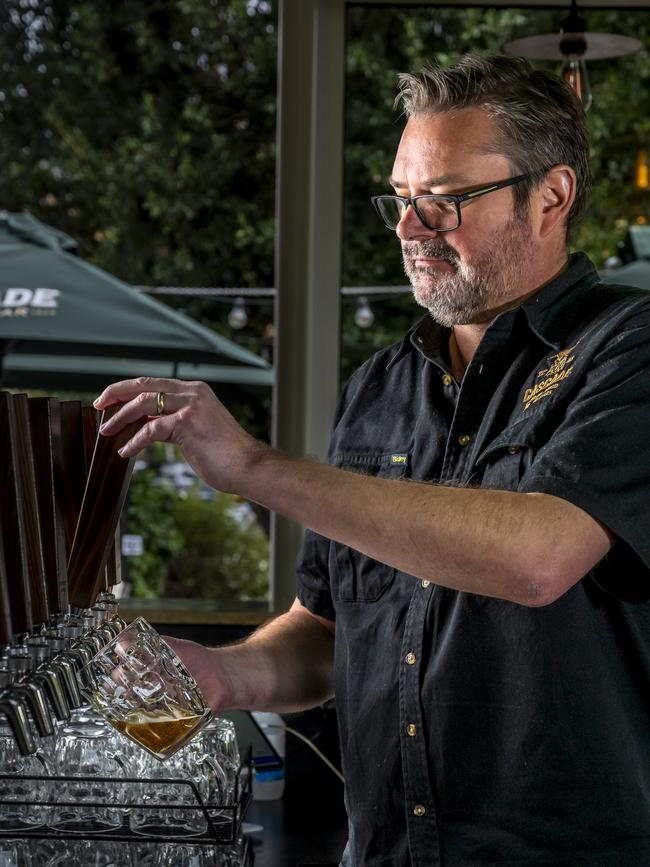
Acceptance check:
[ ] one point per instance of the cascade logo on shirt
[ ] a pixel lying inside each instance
(550, 377)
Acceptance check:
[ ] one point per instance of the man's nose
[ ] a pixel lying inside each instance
(411, 227)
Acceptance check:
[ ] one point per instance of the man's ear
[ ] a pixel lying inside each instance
(554, 199)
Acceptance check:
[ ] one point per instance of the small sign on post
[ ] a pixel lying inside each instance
(132, 545)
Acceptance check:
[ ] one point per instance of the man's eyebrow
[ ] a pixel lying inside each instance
(441, 181)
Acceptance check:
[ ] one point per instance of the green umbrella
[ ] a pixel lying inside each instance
(635, 273)
(53, 303)
(93, 373)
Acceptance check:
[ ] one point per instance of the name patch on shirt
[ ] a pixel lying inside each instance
(399, 459)
(551, 377)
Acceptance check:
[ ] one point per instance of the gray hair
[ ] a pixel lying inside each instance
(539, 119)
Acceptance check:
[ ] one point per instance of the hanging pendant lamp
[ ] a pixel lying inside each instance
(574, 45)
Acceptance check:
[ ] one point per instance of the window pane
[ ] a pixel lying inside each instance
(147, 133)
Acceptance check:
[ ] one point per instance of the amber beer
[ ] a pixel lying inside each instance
(161, 732)
(142, 689)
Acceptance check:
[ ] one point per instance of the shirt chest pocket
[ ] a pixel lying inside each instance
(503, 464)
(356, 577)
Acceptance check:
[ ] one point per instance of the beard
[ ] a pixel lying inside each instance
(475, 289)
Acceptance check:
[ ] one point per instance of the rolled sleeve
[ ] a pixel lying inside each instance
(313, 586)
(599, 456)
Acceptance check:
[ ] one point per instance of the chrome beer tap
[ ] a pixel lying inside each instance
(113, 609)
(51, 679)
(28, 685)
(69, 678)
(14, 709)
(32, 693)
(105, 626)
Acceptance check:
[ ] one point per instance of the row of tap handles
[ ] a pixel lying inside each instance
(42, 673)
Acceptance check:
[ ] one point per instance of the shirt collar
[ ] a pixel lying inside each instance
(429, 339)
(550, 314)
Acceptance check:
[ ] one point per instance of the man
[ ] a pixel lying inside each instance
(474, 576)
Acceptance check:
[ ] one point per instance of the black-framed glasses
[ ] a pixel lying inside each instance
(438, 213)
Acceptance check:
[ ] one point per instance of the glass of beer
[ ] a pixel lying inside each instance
(141, 687)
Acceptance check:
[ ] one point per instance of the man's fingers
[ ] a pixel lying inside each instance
(145, 404)
(127, 389)
(158, 430)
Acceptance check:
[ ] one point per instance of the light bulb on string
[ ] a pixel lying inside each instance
(363, 315)
(574, 72)
(238, 318)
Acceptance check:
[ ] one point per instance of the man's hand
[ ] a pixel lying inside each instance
(209, 671)
(219, 451)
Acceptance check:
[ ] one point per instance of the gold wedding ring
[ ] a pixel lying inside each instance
(160, 403)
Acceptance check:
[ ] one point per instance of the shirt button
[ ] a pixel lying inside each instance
(425, 583)
(464, 439)
(419, 810)
(513, 450)
(447, 380)
(410, 658)
(411, 730)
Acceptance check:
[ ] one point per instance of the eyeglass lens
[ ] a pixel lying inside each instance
(435, 213)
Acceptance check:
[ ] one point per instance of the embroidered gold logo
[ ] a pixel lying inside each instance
(550, 378)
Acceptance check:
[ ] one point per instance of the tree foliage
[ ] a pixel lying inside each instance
(144, 129)
(150, 513)
(225, 553)
(193, 547)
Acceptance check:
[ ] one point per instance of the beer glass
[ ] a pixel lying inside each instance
(211, 762)
(17, 814)
(90, 854)
(143, 689)
(218, 740)
(88, 753)
(189, 855)
(12, 854)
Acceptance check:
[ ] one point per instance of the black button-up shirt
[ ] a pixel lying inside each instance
(474, 730)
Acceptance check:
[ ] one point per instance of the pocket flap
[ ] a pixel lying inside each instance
(373, 463)
(519, 435)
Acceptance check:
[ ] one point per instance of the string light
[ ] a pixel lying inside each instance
(238, 318)
(363, 315)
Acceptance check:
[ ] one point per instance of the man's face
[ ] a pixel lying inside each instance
(470, 274)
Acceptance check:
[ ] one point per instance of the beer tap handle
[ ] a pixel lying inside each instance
(12, 524)
(108, 481)
(15, 712)
(30, 691)
(45, 420)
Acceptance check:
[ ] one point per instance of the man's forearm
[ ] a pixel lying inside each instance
(285, 666)
(496, 543)
(528, 548)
